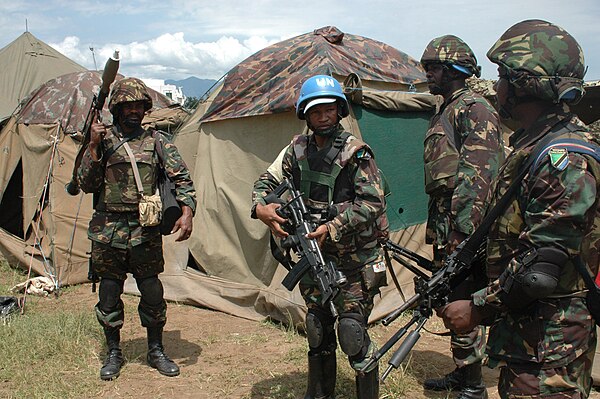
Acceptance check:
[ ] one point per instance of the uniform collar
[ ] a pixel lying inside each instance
(522, 138)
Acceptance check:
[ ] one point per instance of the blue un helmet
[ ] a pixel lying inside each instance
(321, 89)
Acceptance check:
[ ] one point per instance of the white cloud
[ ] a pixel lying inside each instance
(168, 56)
(206, 38)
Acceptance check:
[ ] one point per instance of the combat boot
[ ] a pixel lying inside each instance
(114, 357)
(157, 357)
(473, 387)
(322, 372)
(367, 384)
(452, 381)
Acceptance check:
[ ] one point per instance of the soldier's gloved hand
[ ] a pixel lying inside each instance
(268, 215)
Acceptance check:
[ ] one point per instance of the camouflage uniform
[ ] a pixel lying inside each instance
(353, 243)
(462, 154)
(116, 221)
(120, 245)
(360, 220)
(545, 350)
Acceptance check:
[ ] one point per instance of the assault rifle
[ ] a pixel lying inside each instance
(431, 292)
(311, 260)
(108, 77)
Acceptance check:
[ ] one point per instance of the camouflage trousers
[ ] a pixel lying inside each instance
(466, 348)
(572, 381)
(356, 296)
(143, 260)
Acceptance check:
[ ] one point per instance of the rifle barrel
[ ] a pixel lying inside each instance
(396, 313)
(404, 349)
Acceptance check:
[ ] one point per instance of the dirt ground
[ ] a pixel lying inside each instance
(223, 356)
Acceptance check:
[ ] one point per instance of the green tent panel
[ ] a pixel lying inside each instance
(397, 141)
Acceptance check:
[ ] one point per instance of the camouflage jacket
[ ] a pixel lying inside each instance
(555, 206)
(462, 155)
(118, 224)
(360, 220)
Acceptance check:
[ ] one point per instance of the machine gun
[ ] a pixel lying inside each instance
(108, 77)
(430, 293)
(311, 260)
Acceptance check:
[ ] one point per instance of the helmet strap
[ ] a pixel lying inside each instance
(324, 133)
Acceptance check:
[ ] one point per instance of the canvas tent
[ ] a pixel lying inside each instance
(239, 129)
(40, 224)
(26, 63)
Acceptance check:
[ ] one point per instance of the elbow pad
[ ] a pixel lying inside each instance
(536, 277)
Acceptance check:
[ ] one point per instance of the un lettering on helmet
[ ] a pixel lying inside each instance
(325, 81)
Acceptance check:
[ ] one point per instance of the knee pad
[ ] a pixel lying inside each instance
(352, 333)
(109, 295)
(152, 308)
(151, 290)
(320, 331)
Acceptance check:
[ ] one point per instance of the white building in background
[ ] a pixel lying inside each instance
(171, 91)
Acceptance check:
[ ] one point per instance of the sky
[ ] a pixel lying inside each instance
(176, 39)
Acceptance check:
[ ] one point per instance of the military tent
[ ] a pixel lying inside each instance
(239, 129)
(41, 226)
(26, 63)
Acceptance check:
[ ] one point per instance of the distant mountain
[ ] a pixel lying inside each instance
(192, 86)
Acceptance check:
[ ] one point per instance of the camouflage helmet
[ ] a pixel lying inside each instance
(451, 50)
(127, 90)
(542, 59)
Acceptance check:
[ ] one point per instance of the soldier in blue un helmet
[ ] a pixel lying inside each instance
(343, 190)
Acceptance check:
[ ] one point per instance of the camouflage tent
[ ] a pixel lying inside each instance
(268, 81)
(40, 224)
(26, 63)
(238, 130)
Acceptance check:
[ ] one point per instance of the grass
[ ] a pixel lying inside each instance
(52, 351)
(56, 347)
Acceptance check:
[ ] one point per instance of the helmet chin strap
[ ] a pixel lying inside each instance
(325, 132)
(512, 100)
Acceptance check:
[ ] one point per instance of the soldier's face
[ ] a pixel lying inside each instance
(322, 116)
(501, 87)
(132, 114)
(435, 78)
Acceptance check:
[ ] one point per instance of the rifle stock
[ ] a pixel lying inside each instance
(108, 77)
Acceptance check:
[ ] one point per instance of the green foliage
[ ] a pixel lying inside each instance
(191, 102)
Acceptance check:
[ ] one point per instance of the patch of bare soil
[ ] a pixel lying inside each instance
(223, 356)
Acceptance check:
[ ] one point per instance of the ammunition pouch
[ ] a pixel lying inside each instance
(150, 208)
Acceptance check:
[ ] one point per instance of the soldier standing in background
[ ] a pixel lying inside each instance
(543, 336)
(343, 190)
(462, 155)
(120, 244)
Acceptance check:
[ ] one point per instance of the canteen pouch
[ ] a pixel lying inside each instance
(150, 208)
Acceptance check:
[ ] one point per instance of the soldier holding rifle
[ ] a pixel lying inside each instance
(119, 165)
(342, 187)
(463, 151)
(543, 336)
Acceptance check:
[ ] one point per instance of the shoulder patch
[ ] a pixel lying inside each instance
(559, 158)
(363, 153)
